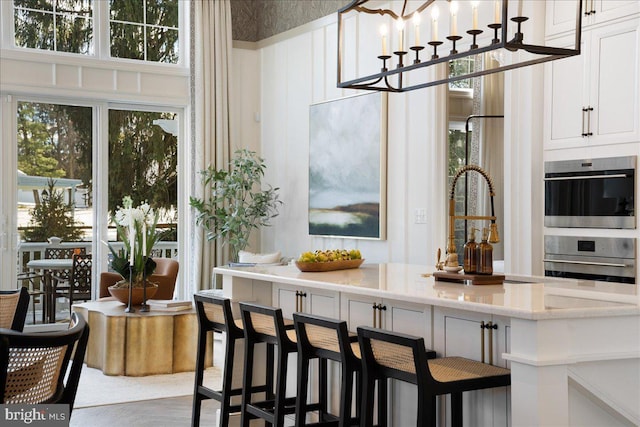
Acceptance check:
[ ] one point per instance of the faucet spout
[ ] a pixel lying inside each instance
(493, 230)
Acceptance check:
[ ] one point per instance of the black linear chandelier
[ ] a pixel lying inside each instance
(507, 44)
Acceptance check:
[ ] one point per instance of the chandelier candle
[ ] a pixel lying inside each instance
(435, 13)
(454, 18)
(383, 33)
(416, 28)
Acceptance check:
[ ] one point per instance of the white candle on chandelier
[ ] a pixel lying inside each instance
(400, 28)
(519, 7)
(416, 28)
(383, 33)
(435, 13)
(496, 6)
(474, 13)
(453, 8)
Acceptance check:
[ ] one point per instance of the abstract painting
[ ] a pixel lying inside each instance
(347, 167)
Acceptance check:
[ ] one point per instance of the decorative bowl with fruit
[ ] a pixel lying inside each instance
(329, 260)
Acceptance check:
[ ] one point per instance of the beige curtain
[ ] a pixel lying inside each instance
(211, 73)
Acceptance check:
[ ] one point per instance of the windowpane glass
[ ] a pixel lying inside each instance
(143, 163)
(54, 171)
(127, 41)
(74, 34)
(159, 22)
(34, 29)
(162, 12)
(34, 4)
(67, 27)
(127, 10)
(162, 45)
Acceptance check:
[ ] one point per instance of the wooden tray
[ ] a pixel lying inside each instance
(474, 279)
(329, 265)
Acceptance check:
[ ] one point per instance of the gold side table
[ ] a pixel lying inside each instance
(139, 344)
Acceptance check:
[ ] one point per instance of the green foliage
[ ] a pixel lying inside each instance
(52, 217)
(237, 203)
(142, 159)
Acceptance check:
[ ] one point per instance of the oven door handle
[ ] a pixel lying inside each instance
(602, 264)
(568, 178)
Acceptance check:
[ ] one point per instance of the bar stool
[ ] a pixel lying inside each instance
(214, 314)
(264, 324)
(327, 339)
(403, 357)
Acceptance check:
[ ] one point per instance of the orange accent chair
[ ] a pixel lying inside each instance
(165, 276)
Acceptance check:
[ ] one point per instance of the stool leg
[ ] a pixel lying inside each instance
(227, 378)
(197, 397)
(368, 388)
(322, 388)
(247, 383)
(269, 374)
(346, 394)
(456, 409)
(426, 408)
(281, 388)
(303, 381)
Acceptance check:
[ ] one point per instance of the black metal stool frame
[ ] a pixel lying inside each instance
(428, 386)
(351, 365)
(232, 333)
(276, 405)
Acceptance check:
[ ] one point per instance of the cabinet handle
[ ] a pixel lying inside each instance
(374, 308)
(589, 110)
(381, 308)
(593, 8)
(297, 301)
(584, 110)
(491, 326)
(482, 326)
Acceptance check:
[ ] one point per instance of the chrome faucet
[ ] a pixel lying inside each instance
(452, 256)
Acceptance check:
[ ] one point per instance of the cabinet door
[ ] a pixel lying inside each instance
(458, 333)
(561, 16)
(358, 310)
(606, 10)
(284, 297)
(614, 90)
(566, 89)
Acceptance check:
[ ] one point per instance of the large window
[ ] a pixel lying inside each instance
(54, 171)
(57, 25)
(146, 30)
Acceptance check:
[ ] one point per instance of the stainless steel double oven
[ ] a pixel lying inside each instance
(591, 193)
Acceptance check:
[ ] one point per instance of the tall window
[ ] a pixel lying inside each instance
(57, 25)
(54, 171)
(145, 30)
(143, 153)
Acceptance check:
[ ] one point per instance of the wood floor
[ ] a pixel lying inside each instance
(169, 412)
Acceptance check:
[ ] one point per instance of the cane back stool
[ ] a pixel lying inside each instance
(263, 324)
(404, 357)
(215, 315)
(327, 339)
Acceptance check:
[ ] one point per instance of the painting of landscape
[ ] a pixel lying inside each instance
(347, 167)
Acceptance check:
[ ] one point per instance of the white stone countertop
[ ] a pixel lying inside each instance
(534, 298)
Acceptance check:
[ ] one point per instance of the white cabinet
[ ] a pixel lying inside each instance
(413, 319)
(561, 14)
(307, 300)
(480, 337)
(592, 99)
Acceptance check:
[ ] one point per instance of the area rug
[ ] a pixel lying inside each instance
(97, 389)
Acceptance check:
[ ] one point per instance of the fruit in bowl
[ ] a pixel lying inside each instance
(328, 260)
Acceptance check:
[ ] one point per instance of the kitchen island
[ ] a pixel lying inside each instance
(573, 347)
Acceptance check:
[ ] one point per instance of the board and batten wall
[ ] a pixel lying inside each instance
(298, 68)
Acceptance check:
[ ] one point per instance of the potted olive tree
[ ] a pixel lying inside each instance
(237, 203)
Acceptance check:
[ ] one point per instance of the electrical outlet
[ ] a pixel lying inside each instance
(421, 216)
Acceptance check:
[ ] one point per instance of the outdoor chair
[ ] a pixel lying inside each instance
(13, 309)
(33, 366)
(78, 286)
